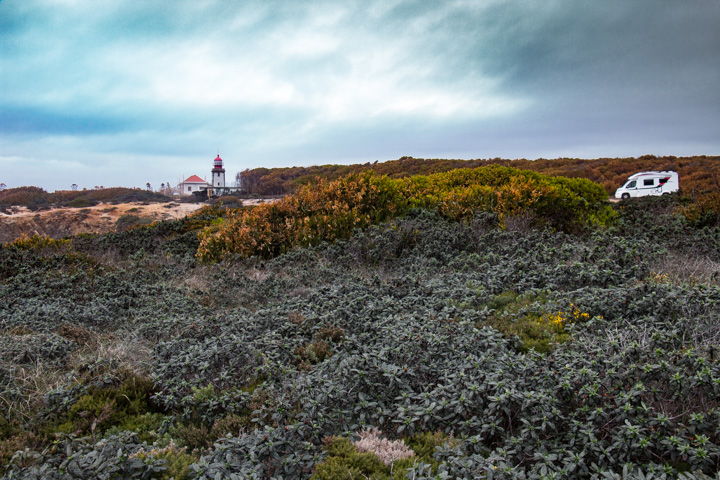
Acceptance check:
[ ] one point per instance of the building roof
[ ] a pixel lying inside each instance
(194, 179)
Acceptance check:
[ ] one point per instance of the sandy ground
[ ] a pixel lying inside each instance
(101, 218)
(170, 210)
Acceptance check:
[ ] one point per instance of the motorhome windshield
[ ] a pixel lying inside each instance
(631, 184)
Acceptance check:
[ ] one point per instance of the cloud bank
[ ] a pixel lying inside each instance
(121, 93)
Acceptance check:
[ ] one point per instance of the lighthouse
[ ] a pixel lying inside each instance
(218, 173)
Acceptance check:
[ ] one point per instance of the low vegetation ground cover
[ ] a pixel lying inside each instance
(455, 349)
(36, 198)
(697, 174)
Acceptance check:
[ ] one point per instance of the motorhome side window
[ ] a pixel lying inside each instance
(631, 184)
(648, 182)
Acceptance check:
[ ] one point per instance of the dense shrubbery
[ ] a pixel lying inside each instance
(327, 211)
(499, 353)
(704, 211)
(31, 197)
(129, 221)
(34, 197)
(697, 174)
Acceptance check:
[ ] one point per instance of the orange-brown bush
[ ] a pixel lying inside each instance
(329, 210)
(698, 173)
(23, 196)
(33, 197)
(704, 211)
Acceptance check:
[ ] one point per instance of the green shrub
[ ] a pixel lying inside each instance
(313, 353)
(11, 439)
(519, 315)
(345, 461)
(509, 301)
(198, 431)
(12, 444)
(177, 462)
(123, 405)
(232, 424)
(192, 436)
(81, 202)
(128, 221)
(424, 445)
(203, 394)
(146, 426)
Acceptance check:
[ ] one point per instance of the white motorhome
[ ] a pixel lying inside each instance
(649, 183)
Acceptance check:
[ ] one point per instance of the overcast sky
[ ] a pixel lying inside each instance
(124, 92)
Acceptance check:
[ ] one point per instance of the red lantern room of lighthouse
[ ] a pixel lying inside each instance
(218, 173)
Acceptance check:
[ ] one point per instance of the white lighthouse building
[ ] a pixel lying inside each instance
(218, 173)
(214, 188)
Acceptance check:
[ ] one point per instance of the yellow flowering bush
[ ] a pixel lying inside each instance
(37, 243)
(535, 331)
(541, 332)
(557, 322)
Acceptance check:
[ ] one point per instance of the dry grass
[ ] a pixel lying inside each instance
(387, 451)
(197, 281)
(257, 274)
(683, 269)
(124, 350)
(31, 384)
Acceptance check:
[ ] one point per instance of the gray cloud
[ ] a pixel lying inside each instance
(142, 92)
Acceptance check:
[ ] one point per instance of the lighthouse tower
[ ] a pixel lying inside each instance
(218, 173)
